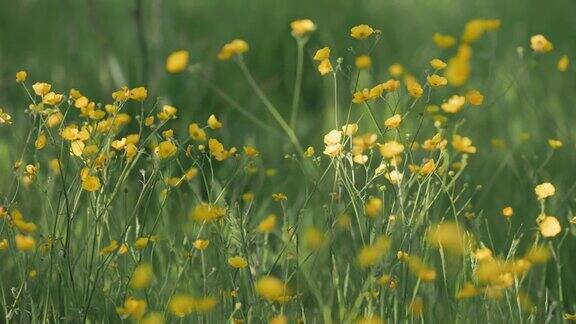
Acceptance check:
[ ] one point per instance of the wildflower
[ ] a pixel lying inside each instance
(414, 88)
(279, 319)
(271, 288)
(361, 96)
(394, 176)
(545, 190)
(555, 144)
(322, 54)
(52, 98)
(360, 159)
(21, 76)
(421, 270)
(373, 207)
(361, 31)
(201, 244)
(371, 255)
(463, 144)
(3, 244)
(438, 64)
(138, 94)
(152, 318)
(142, 242)
(443, 41)
(134, 308)
(309, 152)
(348, 130)
(428, 167)
(325, 67)
(142, 276)
(302, 27)
(213, 122)
(396, 70)
(235, 47)
(447, 236)
(473, 30)
(5, 118)
(507, 212)
(457, 71)
(166, 149)
(91, 183)
(540, 44)
(181, 305)
(167, 112)
(549, 226)
(177, 61)
(435, 80)
(217, 150)
(196, 132)
(314, 238)
(391, 149)
(207, 213)
(41, 88)
(267, 225)
(474, 97)
(251, 151)
(467, 291)
(363, 61)
(25, 243)
(563, 63)
(237, 262)
(416, 307)
(454, 104)
(279, 196)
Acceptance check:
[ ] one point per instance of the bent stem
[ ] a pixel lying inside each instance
(269, 106)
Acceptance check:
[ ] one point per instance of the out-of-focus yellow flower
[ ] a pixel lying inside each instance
(371, 255)
(474, 97)
(138, 94)
(463, 144)
(207, 213)
(555, 143)
(5, 118)
(237, 262)
(438, 64)
(302, 27)
(166, 149)
(196, 132)
(177, 61)
(545, 190)
(271, 288)
(201, 244)
(361, 31)
(363, 61)
(507, 212)
(454, 104)
(435, 80)
(113, 246)
(393, 121)
(235, 47)
(540, 44)
(25, 243)
(443, 41)
(268, 224)
(467, 291)
(142, 276)
(134, 308)
(322, 54)
(563, 63)
(447, 236)
(91, 183)
(391, 149)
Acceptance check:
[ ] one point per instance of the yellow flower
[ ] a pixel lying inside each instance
(545, 190)
(3, 244)
(21, 76)
(373, 207)
(474, 97)
(322, 54)
(396, 70)
(5, 118)
(25, 243)
(428, 167)
(473, 30)
(207, 213)
(268, 224)
(302, 27)
(458, 69)
(361, 31)
(463, 144)
(166, 149)
(142, 242)
(167, 112)
(555, 144)
(448, 236)
(271, 288)
(467, 291)
(563, 63)
(507, 212)
(279, 196)
(40, 141)
(237, 262)
(391, 149)
(414, 88)
(454, 104)
(279, 319)
(181, 305)
(201, 244)
(363, 61)
(41, 88)
(213, 122)
(420, 269)
(109, 248)
(371, 255)
(235, 47)
(177, 61)
(138, 94)
(142, 276)
(348, 130)
(325, 67)
(309, 152)
(443, 41)
(438, 64)
(90, 183)
(52, 98)
(251, 151)
(361, 96)
(152, 318)
(134, 308)
(196, 132)
(549, 226)
(436, 81)
(540, 44)
(217, 150)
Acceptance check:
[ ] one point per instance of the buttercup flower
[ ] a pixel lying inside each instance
(361, 31)
(177, 61)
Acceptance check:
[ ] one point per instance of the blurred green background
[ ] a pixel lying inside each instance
(98, 46)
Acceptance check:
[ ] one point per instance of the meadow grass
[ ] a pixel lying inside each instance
(127, 208)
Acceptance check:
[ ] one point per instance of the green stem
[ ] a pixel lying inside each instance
(298, 81)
